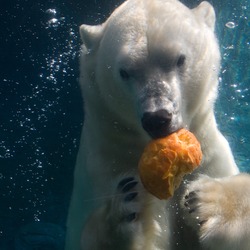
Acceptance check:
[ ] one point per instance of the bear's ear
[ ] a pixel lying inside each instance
(205, 12)
(91, 35)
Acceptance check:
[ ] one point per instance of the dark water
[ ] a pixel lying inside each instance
(41, 108)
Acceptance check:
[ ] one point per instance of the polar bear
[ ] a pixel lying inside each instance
(149, 70)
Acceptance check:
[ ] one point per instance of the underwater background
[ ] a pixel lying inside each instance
(41, 110)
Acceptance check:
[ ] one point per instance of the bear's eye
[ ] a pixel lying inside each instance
(181, 60)
(124, 74)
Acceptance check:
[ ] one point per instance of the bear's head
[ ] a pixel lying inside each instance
(154, 63)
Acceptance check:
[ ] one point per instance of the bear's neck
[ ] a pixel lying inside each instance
(117, 142)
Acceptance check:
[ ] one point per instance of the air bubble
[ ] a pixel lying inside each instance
(51, 11)
(230, 25)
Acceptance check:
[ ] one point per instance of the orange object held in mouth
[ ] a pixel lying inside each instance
(165, 161)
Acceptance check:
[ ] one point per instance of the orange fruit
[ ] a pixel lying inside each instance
(165, 161)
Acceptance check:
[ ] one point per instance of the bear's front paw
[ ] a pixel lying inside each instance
(127, 188)
(208, 203)
(125, 205)
(219, 209)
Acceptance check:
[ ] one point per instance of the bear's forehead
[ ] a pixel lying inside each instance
(152, 12)
(152, 22)
(156, 36)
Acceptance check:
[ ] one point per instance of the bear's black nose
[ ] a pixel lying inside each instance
(157, 124)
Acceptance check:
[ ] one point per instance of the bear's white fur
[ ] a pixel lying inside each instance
(149, 56)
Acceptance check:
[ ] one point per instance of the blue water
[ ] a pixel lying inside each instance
(41, 108)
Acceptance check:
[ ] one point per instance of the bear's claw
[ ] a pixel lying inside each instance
(191, 202)
(124, 181)
(129, 186)
(130, 196)
(131, 217)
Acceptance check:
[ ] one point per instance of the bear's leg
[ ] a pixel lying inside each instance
(220, 211)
